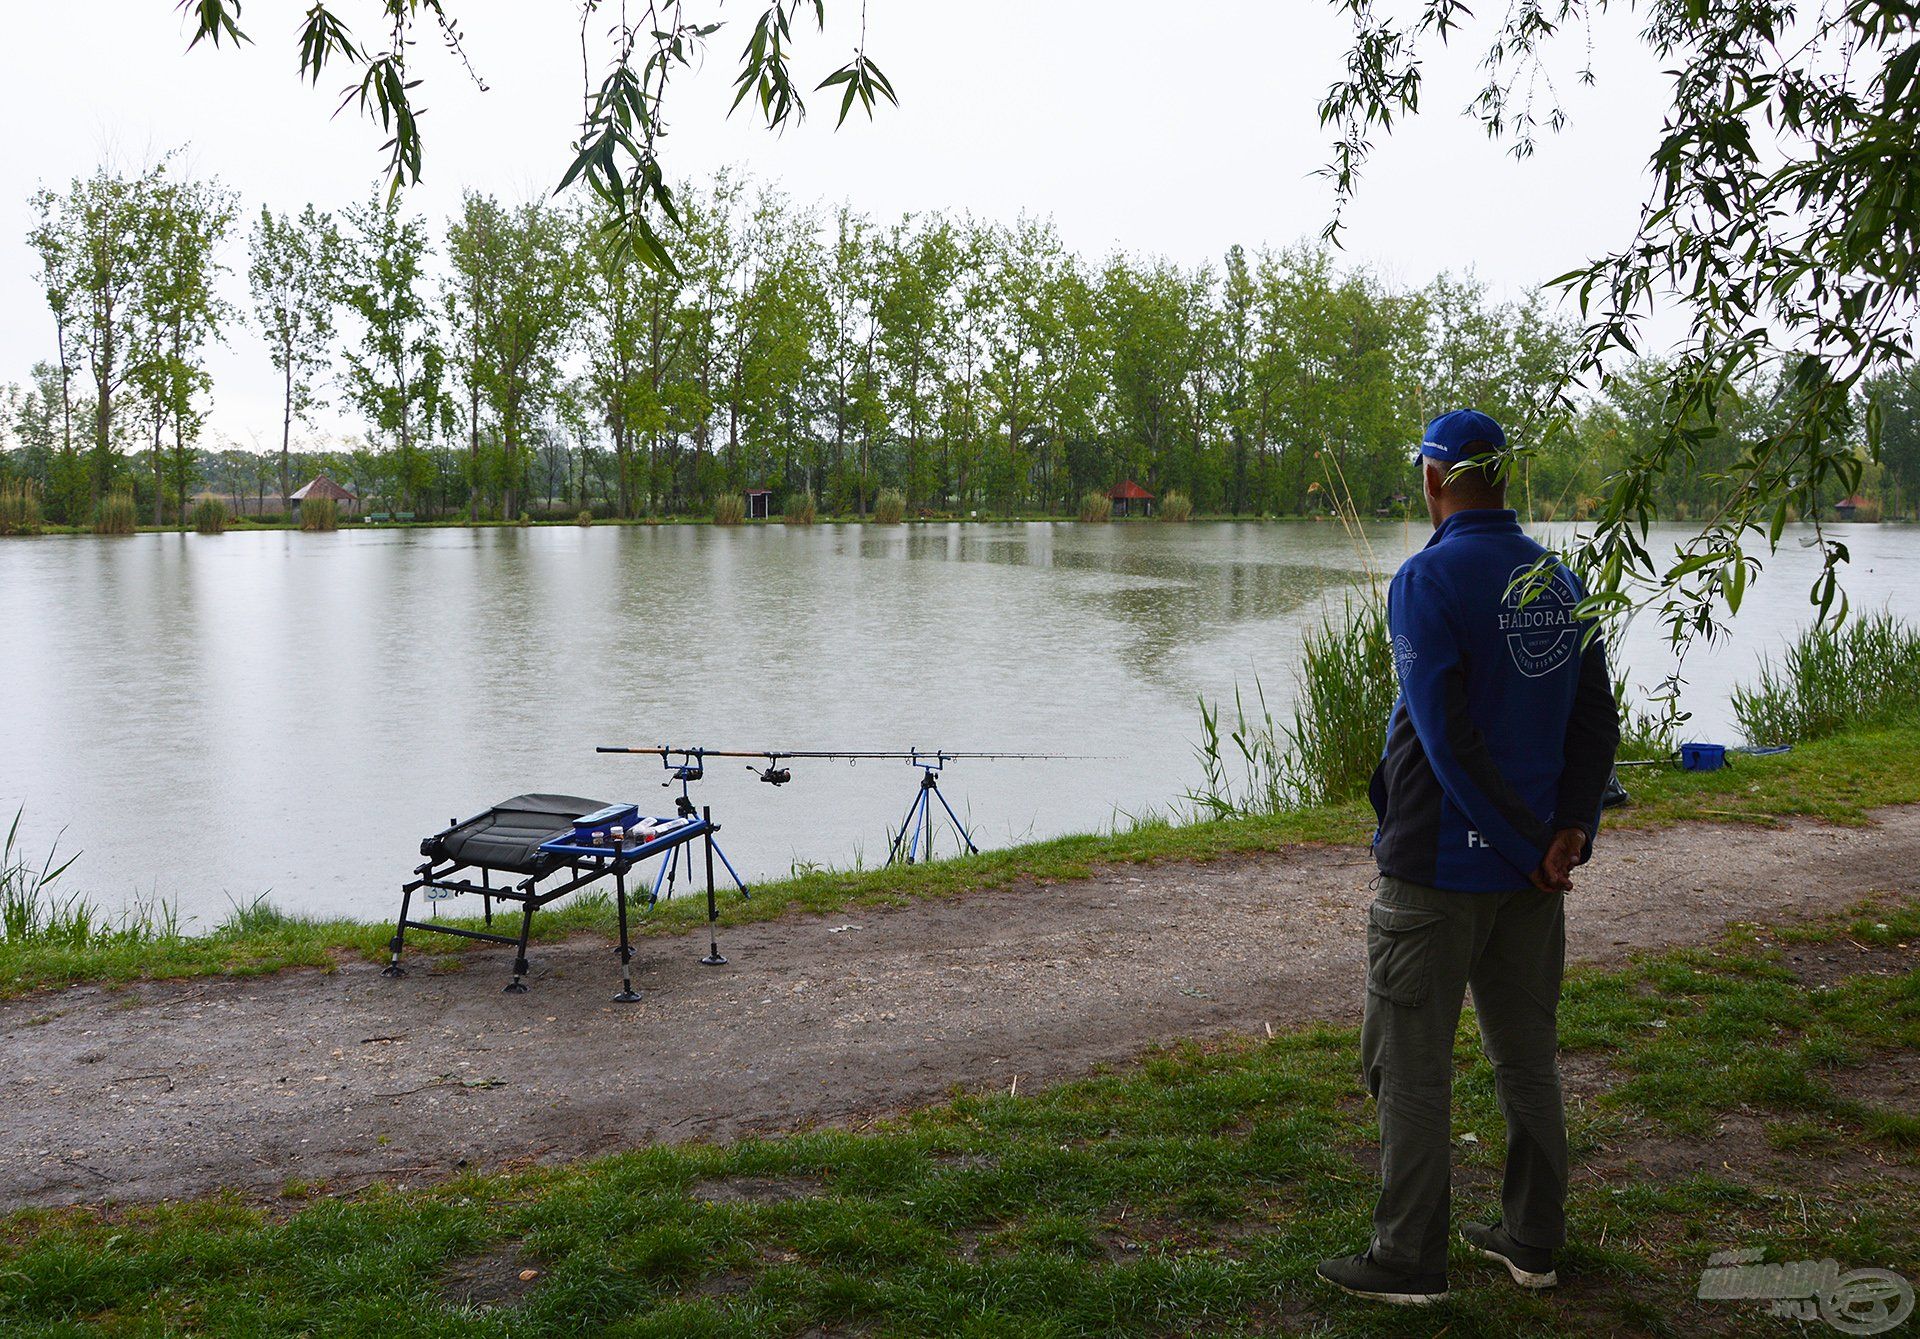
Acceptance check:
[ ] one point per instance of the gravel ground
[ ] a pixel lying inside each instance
(181, 1089)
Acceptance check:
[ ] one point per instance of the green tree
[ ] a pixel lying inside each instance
(295, 278)
(391, 374)
(180, 312)
(92, 243)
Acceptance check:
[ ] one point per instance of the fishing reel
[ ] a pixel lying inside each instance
(771, 774)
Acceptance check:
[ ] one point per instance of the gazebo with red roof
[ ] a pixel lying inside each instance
(1844, 511)
(1128, 497)
(321, 486)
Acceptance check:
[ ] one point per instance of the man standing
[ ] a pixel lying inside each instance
(1488, 795)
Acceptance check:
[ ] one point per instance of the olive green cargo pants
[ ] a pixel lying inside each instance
(1425, 948)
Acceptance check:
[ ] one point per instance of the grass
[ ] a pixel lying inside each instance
(320, 514)
(1868, 669)
(889, 507)
(729, 509)
(19, 508)
(115, 513)
(210, 517)
(801, 509)
(1188, 1193)
(1838, 780)
(1096, 507)
(1176, 506)
(1327, 752)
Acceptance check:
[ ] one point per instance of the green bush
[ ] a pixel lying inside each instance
(1832, 678)
(800, 509)
(114, 514)
(1176, 506)
(729, 509)
(1096, 506)
(19, 509)
(210, 516)
(889, 508)
(584, 518)
(319, 513)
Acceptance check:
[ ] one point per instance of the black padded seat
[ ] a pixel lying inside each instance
(508, 836)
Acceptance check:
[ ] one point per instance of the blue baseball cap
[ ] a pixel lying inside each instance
(1461, 435)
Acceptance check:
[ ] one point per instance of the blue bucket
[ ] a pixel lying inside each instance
(1703, 757)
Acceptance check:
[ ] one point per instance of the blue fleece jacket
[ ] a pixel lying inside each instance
(1505, 728)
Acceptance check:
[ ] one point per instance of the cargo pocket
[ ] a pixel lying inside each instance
(1401, 942)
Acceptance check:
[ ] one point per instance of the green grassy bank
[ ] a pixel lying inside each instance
(1838, 779)
(1720, 1098)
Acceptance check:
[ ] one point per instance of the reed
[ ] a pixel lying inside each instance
(729, 509)
(19, 509)
(1096, 506)
(584, 518)
(1326, 752)
(800, 509)
(319, 514)
(889, 507)
(1176, 506)
(1829, 679)
(210, 516)
(115, 514)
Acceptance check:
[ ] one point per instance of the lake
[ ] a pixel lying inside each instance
(210, 718)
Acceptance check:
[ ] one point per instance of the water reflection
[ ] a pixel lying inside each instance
(214, 717)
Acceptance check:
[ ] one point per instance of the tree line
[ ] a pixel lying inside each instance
(521, 358)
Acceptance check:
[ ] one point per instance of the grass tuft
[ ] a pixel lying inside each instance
(800, 509)
(889, 507)
(1176, 506)
(115, 514)
(210, 516)
(19, 508)
(729, 509)
(1096, 506)
(1831, 678)
(319, 514)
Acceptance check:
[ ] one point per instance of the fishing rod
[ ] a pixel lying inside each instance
(692, 759)
(913, 840)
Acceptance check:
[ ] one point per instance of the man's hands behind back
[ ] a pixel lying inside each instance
(1555, 874)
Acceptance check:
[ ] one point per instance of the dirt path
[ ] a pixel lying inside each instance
(180, 1089)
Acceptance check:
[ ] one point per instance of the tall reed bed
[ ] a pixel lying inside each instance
(729, 509)
(1096, 506)
(319, 514)
(19, 509)
(115, 513)
(1325, 752)
(800, 509)
(1866, 670)
(1176, 506)
(210, 516)
(889, 507)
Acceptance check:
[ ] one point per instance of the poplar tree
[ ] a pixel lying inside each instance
(294, 276)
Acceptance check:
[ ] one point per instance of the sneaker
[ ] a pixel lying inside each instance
(1530, 1266)
(1363, 1276)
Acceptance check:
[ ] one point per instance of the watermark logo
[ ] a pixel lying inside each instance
(1854, 1301)
(1542, 633)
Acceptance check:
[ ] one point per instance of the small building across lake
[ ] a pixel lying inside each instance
(1130, 499)
(758, 500)
(321, 486)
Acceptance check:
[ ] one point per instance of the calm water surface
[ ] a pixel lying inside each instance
(211, 718)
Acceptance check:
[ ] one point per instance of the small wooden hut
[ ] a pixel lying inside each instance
(1845, 510)
(321, 486)
(758, 501)
(1130, 499)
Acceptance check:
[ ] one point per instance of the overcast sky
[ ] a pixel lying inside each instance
(1176, 129)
